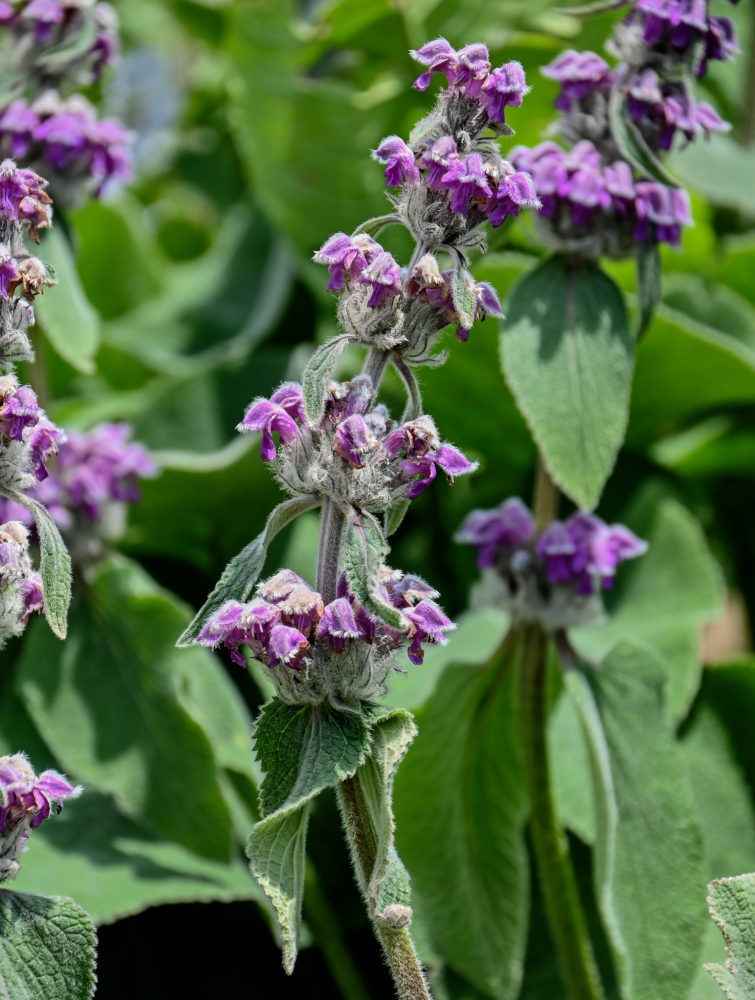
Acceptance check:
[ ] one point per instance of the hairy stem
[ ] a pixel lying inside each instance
(557, 881)
(331, 531)
(374, 365)
(396, 942)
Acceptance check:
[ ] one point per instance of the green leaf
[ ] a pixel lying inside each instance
(108, 701)
(242, 572)
(67, 319)
(632, 145)
(732, 906)
(648, 841)
(47, 948)
(318, 373)
(302, 750)
(305, 748)
(462, 293)
(588, 9)
(648, 259)
(388, 892)
(413, 406)
(461, 809)
(663, 598)
(78, 43)
(54, 563)
(720, 169)
(362, 555)
(394, 516)
(277, 859)
(567, 356)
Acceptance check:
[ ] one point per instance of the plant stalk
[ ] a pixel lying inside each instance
(397, 944)
(332, 522)
(374, 365)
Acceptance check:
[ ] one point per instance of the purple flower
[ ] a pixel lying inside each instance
(9, 272)
(466, 179)
(301, 608)
(507, 527)
(438, 158)
(17, 123)
(287, 646)
(345, 257)
(291, 398)
(64, 137)
(384, 275)
(399, 160)
(505, 87)
(26, 798)
(404, 590)
(720, 42)
(108, 147)
(428, 625)
(42, 442)
(487, 305)
(18, 410)
(513, 193)
(354, 440)
(33, 595)
(21, 194)
(661, 212)
(268, 416)
(439, 57)
(279, 586)
(472, 67)
(449, 459)
(585, 552)
(338, 624)
(236, 624)
(580, 74)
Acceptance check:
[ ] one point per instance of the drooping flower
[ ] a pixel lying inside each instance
(399, 161)
(504, 88)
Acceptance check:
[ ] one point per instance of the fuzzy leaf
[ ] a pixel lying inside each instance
(388, 886)
(243, 571)
(631, 144)
(461, 809)
(110, 705)
(364, 550)
(373, 227)
(64, 312)
(78, 43)
(302, 749)
(318, 373)
(47, 948)
(277, 853)
(568, 355)
(305, 748)
(54, 563)
(732, 906)
(413, 406)
(648, 840)
(394, 516)
(648, 258)
(462, 292)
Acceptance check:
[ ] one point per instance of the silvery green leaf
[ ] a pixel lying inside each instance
(364, 550)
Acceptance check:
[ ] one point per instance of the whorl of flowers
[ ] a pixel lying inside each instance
(554, 578)
(336, 651)
(20, 587)
(355, 453)
(26, 800)
(95, 474)
(52, 47)
(593, 199)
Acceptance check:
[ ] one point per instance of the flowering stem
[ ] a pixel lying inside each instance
(397, 944)
(556, 874)
(546, 498)
(374, 365)
(331, 530)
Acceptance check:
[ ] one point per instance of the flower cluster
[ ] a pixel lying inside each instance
(53, 45)
(83, 35)
(94, 475)
(592, 200)
(68, 138)
(287, 625)
(26, 800)
(446, 182)
(27, 437)
(557, 577)
(356, 453)
(20, 587)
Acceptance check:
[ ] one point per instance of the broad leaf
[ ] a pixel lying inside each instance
(732, 906)
(462, 292)
(648, 259)
(388, 892)
(54, 564)
(663, 599)
(64, 313)
(632, 145)
(47, 948)
(567, 356)
(318, 373)
(362, 555)
(108, 702)
(648, 842)
(461, 809)
(305, 748)
(302, 749)
(394, 516)
(243, 571)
